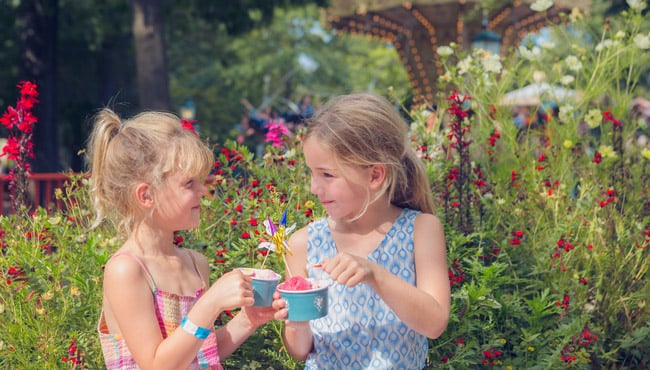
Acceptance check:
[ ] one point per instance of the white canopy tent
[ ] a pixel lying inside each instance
(536, 93)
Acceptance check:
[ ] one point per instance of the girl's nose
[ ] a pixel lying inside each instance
(203, 189)
(313, 187)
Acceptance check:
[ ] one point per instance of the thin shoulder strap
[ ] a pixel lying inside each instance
(196, 268)
(152, 283)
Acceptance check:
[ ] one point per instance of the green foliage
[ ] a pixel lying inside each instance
(263, 65)
(553, 273)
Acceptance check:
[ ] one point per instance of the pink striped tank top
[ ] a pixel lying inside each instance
(170, 310)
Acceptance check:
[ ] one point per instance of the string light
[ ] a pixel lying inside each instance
(412, 31)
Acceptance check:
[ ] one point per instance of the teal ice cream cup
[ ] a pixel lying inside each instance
(264, 283)
(305, 305)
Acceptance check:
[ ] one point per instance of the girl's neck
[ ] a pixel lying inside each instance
(379, 215)
(153, 241)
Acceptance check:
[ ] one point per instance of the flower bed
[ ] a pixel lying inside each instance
(547, 226)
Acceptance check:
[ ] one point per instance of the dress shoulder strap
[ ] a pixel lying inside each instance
(196, 268)
(152, 283)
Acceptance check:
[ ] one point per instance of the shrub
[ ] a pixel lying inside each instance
(547, 227)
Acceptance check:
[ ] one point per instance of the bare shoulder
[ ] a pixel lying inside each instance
(123, 268)
(298, 240)
(427, 220)
(428, 230)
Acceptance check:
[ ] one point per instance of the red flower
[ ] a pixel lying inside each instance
(245, 235)
(598, 158)
(189, 125)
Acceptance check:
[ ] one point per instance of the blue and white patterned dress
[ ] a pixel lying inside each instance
(360, 331)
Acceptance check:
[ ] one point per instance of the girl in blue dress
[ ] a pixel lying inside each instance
(381, 247)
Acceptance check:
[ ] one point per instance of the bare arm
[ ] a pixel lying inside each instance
(128, 295)
(297, 335)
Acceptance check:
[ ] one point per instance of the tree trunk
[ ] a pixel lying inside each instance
(150, 54)
(37, 34)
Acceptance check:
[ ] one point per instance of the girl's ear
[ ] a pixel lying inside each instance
(143, 194)
(377, 175)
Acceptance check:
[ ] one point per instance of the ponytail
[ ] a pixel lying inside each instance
(107, 125)
(411, 187)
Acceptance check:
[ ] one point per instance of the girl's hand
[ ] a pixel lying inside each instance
(258, 316)
(233, 290)
(280, 307)
(350, 270)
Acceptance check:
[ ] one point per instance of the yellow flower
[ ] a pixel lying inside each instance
(309, 204)
(645, 153)
(607, 151)
(575, 15)
(531, 349)
(593, 118)
(503, 341)
(74, 291)
(568, 144)
(47, 295)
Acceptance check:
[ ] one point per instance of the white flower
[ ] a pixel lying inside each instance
(608, 43)
(491, 63)
(566, 113)
(532, 54)
(541, 5)
(445, 51)
(573, 63)
(547, 45)
(642, 41)
(539, 76)
(567, 80)
(464, 65)
(619, 35)
(637, 4)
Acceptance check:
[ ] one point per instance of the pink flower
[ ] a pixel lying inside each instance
(276, 132)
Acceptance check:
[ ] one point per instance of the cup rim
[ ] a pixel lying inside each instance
(276, 277)
(322, 285)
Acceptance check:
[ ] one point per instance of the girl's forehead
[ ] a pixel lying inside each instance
(316, 153)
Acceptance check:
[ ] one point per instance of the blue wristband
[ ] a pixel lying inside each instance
(195, 330)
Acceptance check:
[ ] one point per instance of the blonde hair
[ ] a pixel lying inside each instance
(364, 129)
(143, 149)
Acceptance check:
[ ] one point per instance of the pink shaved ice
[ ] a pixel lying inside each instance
(296, 283)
